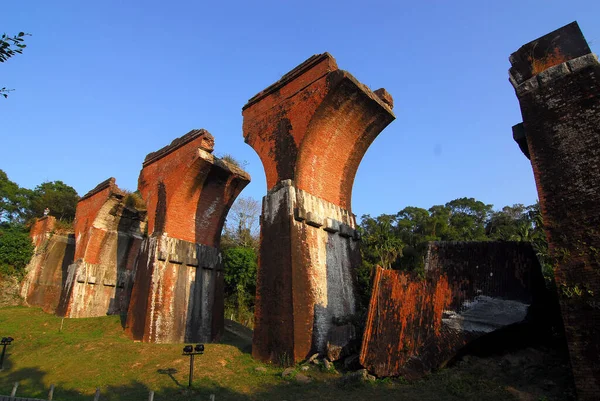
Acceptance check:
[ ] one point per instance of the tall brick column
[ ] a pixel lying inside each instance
(557, 82)
(108, 236)
(310, 130)
(178, 290)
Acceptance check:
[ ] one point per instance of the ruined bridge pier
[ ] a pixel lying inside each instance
(108, 236)
(557, 82)
(178, 290)
(310, 130)
(47, 270)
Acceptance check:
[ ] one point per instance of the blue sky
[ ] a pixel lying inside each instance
(103, 83)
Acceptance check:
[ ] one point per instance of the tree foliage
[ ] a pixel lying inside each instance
(57, 196)
(17, 205)
(239, 244)
(16, 250)
(399, 241)
(9, 47)
(14, 200)
(241, 264)
(241, 227)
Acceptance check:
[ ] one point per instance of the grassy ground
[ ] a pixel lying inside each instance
(94, 352)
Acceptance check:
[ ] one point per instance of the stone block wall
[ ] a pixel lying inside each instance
(47, 271)
(470, 289)
(310, 130)
(178, 291)
(108, 237)
(557, 82)
(308, 250)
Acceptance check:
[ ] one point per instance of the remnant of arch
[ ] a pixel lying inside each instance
(310, 130)
(178, 291)
(557, 81)
(108, 236)
(470, 290)
(47, 270)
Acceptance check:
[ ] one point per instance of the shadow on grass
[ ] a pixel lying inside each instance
(170, 372)
(496, 378)
(31, 385)
(450, 385)
(238, 336)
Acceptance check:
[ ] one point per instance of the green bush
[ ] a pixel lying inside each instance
(16, 249)
(240, 282)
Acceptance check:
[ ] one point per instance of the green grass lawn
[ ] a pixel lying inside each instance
(94, 352)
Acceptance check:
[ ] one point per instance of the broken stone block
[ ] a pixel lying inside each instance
(361, 375)
(470, 290)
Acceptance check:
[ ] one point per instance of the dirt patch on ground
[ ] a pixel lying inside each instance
(10, 292)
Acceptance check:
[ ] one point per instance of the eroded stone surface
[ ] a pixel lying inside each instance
(47, 270)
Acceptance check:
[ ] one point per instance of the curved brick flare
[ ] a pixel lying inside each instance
(47, 270)
(314, 126)
(557, 82)
(108, 236)
(178, 291)
(310, 130)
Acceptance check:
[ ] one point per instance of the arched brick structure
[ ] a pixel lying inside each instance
(310, 130)
(557, 82)
(178, 291)
(108, 236)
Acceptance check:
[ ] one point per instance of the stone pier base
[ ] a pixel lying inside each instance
(178, 292)
(306, 291)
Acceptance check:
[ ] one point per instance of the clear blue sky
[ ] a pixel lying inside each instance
(103, 83)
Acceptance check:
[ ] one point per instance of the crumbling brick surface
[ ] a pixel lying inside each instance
(560, 105)
(470, 289)
(47, 270)
(42, 229)
(178, 291)
(108, 237)
(310, 130)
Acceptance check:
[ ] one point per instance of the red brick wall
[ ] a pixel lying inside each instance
(85, 214)
(561, 121)
(41, 228)
(188, 192)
